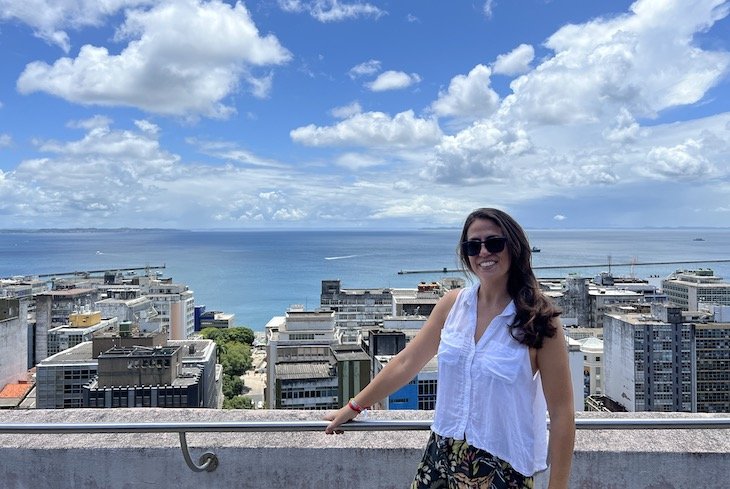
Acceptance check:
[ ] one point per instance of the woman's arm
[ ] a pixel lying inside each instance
(403, 367)
(552, 360)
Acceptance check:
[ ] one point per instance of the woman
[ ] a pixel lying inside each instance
(502, 363)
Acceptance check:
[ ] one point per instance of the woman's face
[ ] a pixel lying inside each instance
(486, 265)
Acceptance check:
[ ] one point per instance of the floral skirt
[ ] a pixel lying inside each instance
(453, 464)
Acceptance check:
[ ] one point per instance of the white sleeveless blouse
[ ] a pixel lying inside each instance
(486, 392)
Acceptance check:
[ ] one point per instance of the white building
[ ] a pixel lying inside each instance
(592, 349)
(175, 305)
(688, 288)
(298, 373)
(138, 310)
(648, 361)
(13, 340)
(81, 328)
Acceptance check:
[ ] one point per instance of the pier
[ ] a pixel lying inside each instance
(86, 273)
(594, 265)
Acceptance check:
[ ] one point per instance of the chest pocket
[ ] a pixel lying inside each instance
(449, 347)
(502, 362)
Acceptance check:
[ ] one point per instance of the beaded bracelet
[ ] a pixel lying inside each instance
(355, 406)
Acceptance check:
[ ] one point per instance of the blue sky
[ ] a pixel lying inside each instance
(328, 114)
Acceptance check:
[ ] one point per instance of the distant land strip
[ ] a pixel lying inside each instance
(599, 265)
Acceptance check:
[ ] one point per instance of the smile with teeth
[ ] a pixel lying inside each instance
(486, 264)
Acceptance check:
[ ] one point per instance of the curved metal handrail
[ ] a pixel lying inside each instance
(209, 462)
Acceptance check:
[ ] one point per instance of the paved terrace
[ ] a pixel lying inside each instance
(604, 459)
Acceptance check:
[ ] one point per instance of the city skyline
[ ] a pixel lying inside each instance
(327, 114)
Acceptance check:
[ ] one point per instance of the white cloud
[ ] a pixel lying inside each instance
(183, 58)
(91, 123)
(626, 130)
(347, 111)
(516, 61)
(367, 68)
(50, 18)
(684, 161)
(372, 129)
(481, 152)
(468, 96)
(356, 161)
(231, 153)
(559, 217)
(437, 209)
(645, 62)
(5, 140)
(331, 10)
(393, 80)
(488, 8)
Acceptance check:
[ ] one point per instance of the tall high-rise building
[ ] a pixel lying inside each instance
(663, 362)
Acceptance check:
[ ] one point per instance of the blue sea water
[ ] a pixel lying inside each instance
(258, 274)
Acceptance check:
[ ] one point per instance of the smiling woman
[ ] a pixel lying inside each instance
(502, 365)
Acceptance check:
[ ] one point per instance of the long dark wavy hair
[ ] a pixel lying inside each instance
(535, 311)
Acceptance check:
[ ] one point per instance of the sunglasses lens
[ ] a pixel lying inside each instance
(474, 246)
(495, 245)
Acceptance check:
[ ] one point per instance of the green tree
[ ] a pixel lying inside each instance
(237, 358)
(238, 402)
(232, 386)
(211, 334)
(238, 334)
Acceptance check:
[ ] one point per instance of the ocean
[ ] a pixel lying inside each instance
(259, 274)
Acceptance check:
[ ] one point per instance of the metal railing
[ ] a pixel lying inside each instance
(208, 461)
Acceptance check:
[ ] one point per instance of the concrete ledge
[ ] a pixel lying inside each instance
(604, 459)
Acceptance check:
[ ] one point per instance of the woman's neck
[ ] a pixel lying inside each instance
(494, 295)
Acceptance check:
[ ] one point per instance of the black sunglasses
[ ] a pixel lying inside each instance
(493, 244)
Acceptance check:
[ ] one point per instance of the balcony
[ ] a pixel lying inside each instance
(620, 457)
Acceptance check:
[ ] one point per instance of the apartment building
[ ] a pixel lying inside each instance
(356, 309)
(132, 375)
(299, 369)
(662, 362)
(688, 288)
(13, 340)
(81, 327)
(53, 309)
(175, 306)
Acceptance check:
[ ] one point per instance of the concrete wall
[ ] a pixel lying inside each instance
(610, 459)
(14, 342)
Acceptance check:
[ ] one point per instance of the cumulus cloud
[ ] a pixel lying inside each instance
(478, 153)
(644, 61)
(331, 10)
(571, 171)
(684, 161)
(393, 80)
(372, 129)
(183, 58)
(516, 61)
(367, 68)
(50, 19)
(626, 129)
(559, 217)
(347, 111)
(468, 96)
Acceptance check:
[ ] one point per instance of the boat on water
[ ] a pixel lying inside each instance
(698, 239)
(535, 249)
